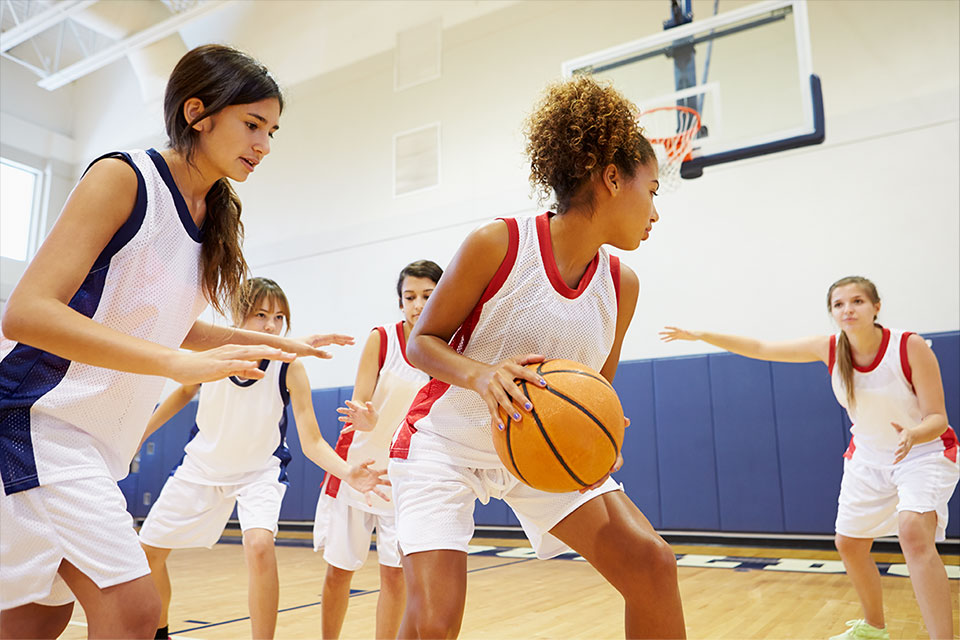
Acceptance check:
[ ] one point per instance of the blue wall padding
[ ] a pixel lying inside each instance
(634, 385)
(748, 470)
(717, 443)
(685, 448)
(811, 430)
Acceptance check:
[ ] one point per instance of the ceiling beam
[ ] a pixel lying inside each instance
(41, 22)
(136, 41)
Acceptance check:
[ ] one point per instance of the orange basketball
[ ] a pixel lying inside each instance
(574, 434)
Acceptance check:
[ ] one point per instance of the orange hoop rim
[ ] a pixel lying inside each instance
(688, 132)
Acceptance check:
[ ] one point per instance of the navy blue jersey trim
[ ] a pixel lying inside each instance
(128, 229)
(26, 375)
(282, 452)
(284, 392)
(185, 218)
(246, 382)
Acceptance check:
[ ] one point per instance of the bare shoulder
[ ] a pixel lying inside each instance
(492, 236)
(629, 282)
(917, 348)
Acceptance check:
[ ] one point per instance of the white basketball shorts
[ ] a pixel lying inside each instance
(188, 514)
(343, 531)
(435, 503)
(84, 522)
(871, 497)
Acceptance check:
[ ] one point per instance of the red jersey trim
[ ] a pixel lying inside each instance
(383, 348)
(402, 339)
(833, 354)
(904, 358)
(848, 454)
(430, 393)
(880, 353)
(343, 446)
(949, 439)
(615, 274)
(550, 261)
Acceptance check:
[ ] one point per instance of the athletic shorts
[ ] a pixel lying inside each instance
(188, 514)
(435, 503)
(82, 521)
(871, 497)
(343, 532)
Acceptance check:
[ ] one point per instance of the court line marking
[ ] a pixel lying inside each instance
(313, 604)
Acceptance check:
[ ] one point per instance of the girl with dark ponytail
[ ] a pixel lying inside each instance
(901, 466)
(145, 242)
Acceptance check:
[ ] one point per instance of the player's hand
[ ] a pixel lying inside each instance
(495, 384)
(906, 442)
(193, 367)
(367, 481)
(308, 346)
(358, 417)
(616, 464)
(669, 334)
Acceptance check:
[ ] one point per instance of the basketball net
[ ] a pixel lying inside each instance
(671, 131)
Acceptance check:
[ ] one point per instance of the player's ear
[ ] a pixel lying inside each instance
(611, 179)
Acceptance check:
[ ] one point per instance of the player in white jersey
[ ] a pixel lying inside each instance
(385, 386)
(517, 291)
(237, 455)
(901, 466)
(144, 242)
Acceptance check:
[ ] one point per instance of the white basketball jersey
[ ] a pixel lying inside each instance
(241, 429)
(526, 308)
(884, 394)
(63, 420)
(397, 385)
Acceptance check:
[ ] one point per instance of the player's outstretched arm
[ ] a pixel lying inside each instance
(809, 349)
(38, 314)
(359, 414)
(169, 408)
(457, 294)
(204, 335)
(360, 477)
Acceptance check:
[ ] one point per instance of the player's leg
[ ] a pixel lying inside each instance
(434, 506)
(612, 534)
(924, 487)
(34, 621)
(391, 602)
(263, 591)
(863, 573)
(436, 594)
(258, 509)
(866, 509)
(126, 610)
(185, 515)
(927, 574)
(334, 601)
(393, 596)
(157, 559)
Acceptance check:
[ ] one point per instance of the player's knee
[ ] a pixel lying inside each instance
(438, 622)
(846, 545)
(658, 557)
(915, 539)
(391, 578)
(259, 550)
(337, 577)
(140, 621)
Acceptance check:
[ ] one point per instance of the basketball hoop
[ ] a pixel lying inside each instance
(671, 131)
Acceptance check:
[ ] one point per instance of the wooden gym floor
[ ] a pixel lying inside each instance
(743, 593)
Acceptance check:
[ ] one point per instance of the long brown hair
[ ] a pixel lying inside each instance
(219, 76)
(254, 291)
(578, 128)
(844, 354)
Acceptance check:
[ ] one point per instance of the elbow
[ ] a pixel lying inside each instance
(14, 323)
(415, 352)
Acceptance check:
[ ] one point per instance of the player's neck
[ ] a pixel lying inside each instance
(865, 344)
(573, 237)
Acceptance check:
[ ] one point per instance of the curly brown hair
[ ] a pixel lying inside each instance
(578, 127)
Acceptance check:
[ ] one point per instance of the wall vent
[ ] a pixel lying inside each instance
(416, 159)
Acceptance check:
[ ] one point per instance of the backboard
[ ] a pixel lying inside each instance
(747, 72)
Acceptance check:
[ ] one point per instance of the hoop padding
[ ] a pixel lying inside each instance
(671, 130)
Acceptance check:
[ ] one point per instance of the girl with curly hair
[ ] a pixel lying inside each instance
(520, 290)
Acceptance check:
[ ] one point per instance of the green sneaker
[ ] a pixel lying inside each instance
(860, 630)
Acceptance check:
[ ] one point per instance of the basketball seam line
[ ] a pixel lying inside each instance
(579, 373)
(603, 428)
(553, 448)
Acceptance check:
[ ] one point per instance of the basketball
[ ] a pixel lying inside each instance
(573, 435)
